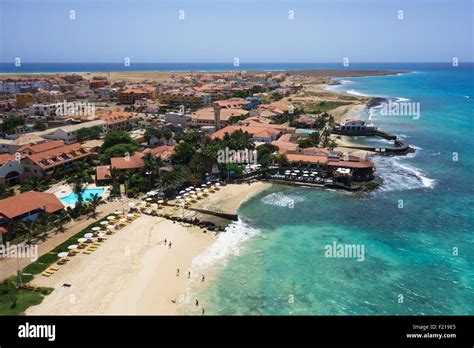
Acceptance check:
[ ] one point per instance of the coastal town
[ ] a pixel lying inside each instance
(84, 156)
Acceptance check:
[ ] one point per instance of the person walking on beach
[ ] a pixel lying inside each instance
(202, 311)
(165, 241)
(189, 274)
(169, 245)
(203, 278)
(197, 302)
(177, 272)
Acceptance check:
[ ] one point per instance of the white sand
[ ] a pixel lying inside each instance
(132, 272)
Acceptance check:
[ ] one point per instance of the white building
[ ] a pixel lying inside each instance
(68, 133)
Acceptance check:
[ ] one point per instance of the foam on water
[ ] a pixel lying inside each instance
(279, 199)
(399, 176)
(226, 244)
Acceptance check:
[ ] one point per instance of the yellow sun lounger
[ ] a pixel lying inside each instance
(44, 274)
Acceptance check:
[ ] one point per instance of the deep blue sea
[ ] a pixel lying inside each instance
(417, 230)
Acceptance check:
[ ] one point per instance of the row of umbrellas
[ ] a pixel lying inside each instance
(96, 233)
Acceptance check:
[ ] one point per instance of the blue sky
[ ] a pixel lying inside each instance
(219, 30)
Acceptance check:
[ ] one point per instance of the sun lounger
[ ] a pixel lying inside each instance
(44, 274)
(87, 252)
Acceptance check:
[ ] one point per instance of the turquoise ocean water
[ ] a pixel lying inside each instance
(418, 259)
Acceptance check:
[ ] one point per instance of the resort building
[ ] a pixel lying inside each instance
(178, 119)
(28, 206)
(118, 121)
(164, 152)
(259, 133)
(129, 96)
(57, 160)
(207, 117)
(12, 144)
(355, 126)
(103, 176)
(68, 133)
(125, 163)
(11, 170)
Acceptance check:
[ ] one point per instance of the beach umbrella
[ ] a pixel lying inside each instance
(218, 184)
(206, 190)
(95, 228)
(151, 193)
(187, 199)
(188, 189)
(110, 227)
(82, 240)
(104, 222)
(305, 175)
(153, 205)
(194, 196)
(62, 255)
(161, 201)
(311, 174)
(130, 215)
(293, 174)
(148, 199)
(178, 197)
(88, 235)
(306, 172)
(199, 189)
(208, 183)
(72, 247)
(296, 171)
(181, 192)
(186, 194)
(131, 204)
(203, 185)
(121, 220)
(200, 194)
(111, 217)
(101, 235)
(117, 212)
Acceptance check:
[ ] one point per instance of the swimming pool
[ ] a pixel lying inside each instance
(71, 198)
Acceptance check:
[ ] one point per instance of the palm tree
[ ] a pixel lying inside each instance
(78, 189)
(152, 167)
(94, 202)
(28, 229)
(60, 219)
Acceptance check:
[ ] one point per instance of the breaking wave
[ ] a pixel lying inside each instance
(279, 199)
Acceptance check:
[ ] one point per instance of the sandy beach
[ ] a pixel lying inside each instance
(133, 271)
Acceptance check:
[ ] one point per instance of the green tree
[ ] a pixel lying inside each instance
(183, 153)
(115, 138)
(88, 133)
(11, 123)
(6, 191)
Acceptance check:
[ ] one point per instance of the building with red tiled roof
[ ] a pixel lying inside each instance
(164, 152)
(36, 148)
(206, 117)
(59, 159)
(259, 133)
(103, 175)
(131, 162)
(28, 206)
(118, 120)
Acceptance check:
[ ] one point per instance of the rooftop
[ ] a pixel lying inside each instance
(23, 203)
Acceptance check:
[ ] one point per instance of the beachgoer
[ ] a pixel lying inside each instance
(169, 245)
(177, 272)
(203, 278)
(197, 302)
(189, 274)
(165, 241)
(202, 311)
